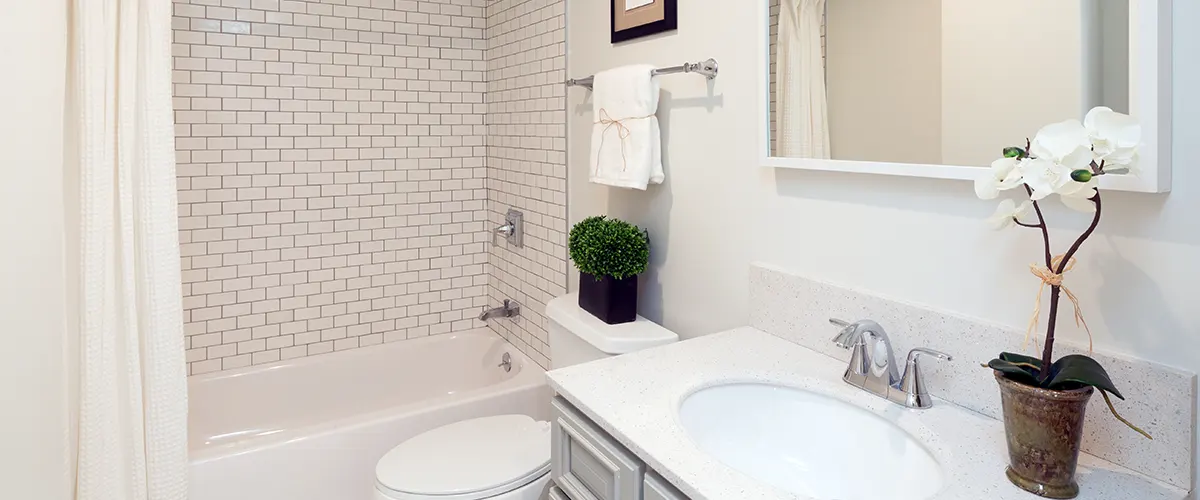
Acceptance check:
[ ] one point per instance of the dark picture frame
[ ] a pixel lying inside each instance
(669, 22)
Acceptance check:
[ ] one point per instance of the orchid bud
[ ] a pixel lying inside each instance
(1081, 175)
(1014, 152)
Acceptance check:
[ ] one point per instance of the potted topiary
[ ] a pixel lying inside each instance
(610, 254)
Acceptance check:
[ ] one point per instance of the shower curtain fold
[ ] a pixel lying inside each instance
(132, 407)
(802, 122)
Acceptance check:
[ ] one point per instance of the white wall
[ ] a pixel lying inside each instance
(917, 239)
(700, 220)
(34, 459)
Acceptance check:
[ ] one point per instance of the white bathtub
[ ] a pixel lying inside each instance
(313, 428)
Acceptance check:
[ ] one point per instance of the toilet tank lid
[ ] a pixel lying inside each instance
(610, 339)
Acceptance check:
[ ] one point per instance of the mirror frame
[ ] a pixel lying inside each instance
(1150, 91)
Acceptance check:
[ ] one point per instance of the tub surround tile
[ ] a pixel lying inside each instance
(635, 398)
(1161, 399)
(526, 163)
(333, 171)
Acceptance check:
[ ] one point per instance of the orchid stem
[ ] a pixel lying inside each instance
(1048, 350)
(1042, 225)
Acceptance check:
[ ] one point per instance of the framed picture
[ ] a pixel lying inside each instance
(638, 18)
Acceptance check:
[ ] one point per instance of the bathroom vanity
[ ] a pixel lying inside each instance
(588, 464)
(747, 415)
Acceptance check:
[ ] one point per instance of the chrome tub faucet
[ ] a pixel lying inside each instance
(510, 309)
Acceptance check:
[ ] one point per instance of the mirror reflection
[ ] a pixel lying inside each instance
(938, 82)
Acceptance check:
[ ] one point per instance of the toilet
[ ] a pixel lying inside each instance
(506, 457)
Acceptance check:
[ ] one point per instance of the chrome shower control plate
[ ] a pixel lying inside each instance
(513, 229)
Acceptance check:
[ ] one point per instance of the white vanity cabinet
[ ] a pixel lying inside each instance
(588, 464)
(657, 488)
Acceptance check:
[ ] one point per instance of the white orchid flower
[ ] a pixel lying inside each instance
(1058, 149)
(1007, 214)
(1115, 138)
(1002, 176)
(1045, 177)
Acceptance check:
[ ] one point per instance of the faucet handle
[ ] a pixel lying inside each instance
(917, 352)
(911, 383)
(842, 339)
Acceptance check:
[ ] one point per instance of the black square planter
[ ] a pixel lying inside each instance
(613, 301)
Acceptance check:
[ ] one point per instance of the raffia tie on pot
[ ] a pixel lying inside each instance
(1053, 279)
(622, 133)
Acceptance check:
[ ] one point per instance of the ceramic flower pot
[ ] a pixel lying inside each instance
(1044, 430)
(612, 300)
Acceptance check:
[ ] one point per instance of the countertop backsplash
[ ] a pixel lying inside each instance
(798, 309)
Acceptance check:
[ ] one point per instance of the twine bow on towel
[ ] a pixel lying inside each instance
(1049, 277)
(622, 132)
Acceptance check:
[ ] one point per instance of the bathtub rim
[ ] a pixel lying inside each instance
(529, 377)
(362, 351)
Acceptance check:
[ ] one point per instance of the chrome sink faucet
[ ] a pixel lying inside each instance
(873, 364)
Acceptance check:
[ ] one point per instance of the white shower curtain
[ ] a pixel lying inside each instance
(801, 109)
(132, 407)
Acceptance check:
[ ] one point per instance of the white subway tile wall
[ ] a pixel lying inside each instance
(333, 173)
(526, 162)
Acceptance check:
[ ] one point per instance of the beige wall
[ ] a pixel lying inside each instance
(1008, 68)
(1114, 39)
(922, 240)
(884, 74)
(34, 424)
(936, 82)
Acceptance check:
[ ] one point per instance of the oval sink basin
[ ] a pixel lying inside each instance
(809, 444)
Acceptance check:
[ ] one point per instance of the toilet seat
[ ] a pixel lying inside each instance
(467, 460)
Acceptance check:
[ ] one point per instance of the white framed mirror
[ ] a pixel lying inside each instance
(937, 88)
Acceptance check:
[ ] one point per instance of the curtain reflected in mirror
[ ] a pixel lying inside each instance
(802, 129)
(938, 82)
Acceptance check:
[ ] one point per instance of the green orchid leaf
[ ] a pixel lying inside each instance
(1077, 369)
(1019, 372)
(1022, 359)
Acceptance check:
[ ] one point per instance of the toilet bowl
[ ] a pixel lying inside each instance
(504, 457)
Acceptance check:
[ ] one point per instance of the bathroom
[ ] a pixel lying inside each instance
(421, 198)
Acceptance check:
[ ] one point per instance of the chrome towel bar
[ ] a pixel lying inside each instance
(707, 68)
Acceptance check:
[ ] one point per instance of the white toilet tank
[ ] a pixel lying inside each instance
(578, 337)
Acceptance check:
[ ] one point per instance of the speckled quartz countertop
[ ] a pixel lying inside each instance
(636, 398)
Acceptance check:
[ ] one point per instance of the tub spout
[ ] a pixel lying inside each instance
(510, 309)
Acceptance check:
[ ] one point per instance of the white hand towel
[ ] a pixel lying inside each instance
(626, 141)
